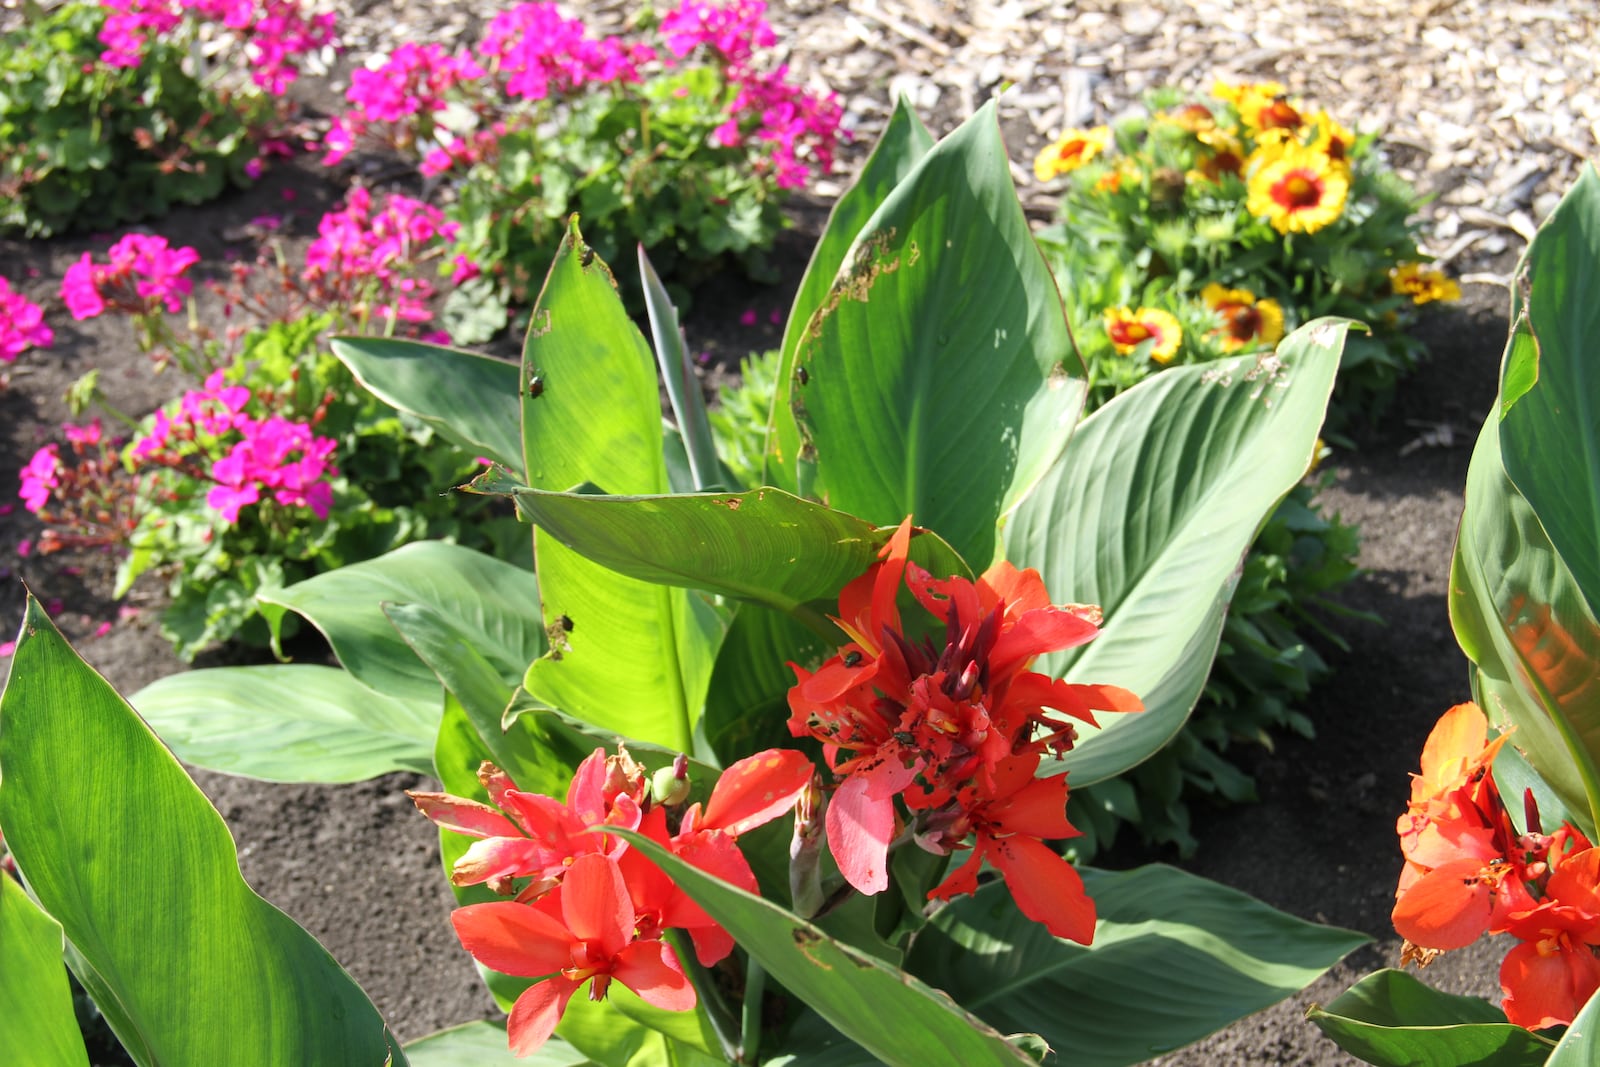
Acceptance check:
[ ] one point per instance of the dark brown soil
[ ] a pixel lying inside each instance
(359, 868)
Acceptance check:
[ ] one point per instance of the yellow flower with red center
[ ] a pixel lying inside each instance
(1296, 189)
(1070, 151)
(1236, 94)
(1129, 328)
(1246, 321)
(1262, 106)
(1192, 117)
(1226, 156)
(1423, 284)
(1333, 140)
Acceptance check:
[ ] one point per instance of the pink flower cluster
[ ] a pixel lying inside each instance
(540, 52)
(357, 251)
(412, 81)
(796, 128)
(142, 273)
(464, 151)
(274, 33)
(42, 474)
(733, 31)
(21, 324)
(272, 455)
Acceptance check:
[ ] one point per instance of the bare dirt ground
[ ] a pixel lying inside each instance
(1488, 110)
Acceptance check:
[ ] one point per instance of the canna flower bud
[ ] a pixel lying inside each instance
(805, 852)
(670, 785)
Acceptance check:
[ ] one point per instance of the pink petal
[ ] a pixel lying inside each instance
(859, 830)
(501, 857)
(463, 816)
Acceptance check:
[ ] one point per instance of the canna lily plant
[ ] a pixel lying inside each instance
(769, 773)
(1498, 834)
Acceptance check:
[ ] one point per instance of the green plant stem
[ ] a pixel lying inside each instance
(717, 1010)
(755, 987)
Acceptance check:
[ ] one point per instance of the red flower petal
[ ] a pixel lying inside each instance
(860, 826)
(1449, 907)
(756, 790)
(535, 1014)
(1046, 887)
(595, 903)
(651, 970)
(513, 938)
(1547, 990)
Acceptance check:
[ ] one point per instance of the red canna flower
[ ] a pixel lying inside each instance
(582, 932)
(1550, 976)
(955, 729)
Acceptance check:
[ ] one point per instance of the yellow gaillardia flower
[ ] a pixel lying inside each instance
(1226, 156)
(1233, 94)
(1246, 321)
(1128, 329)
(1423, 284)
(1296, 189)
(1333, 140)
(1191, 117)
(1072, 150)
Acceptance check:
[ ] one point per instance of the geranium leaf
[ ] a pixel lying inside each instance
(1149, 515)
(904, 142)
(188, 964)
(1392, 1020)
(891, 1014)
(35, 1000)
(469, 398)
(939, 377)
(1219, 955)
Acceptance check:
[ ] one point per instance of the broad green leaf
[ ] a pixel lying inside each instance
(518, 748)
(290, 723)
(469, 398)
(1580, 1046)
(889, 1013)
(483, 1044)
(613, 1038)
(1149, 515)
(1550, 434)
(940, 378)
(1520, 617)
(1392, 1020)
(633, 657)
(903, 144)
(1174, 958)
(188, 964)
(747, 706)
(764, 546)
(495, 604)
(683, 388)
(35, 1000)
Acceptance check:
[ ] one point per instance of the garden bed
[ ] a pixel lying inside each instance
(358, 868)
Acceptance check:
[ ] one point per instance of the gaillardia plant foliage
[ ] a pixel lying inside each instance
(725, 775)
